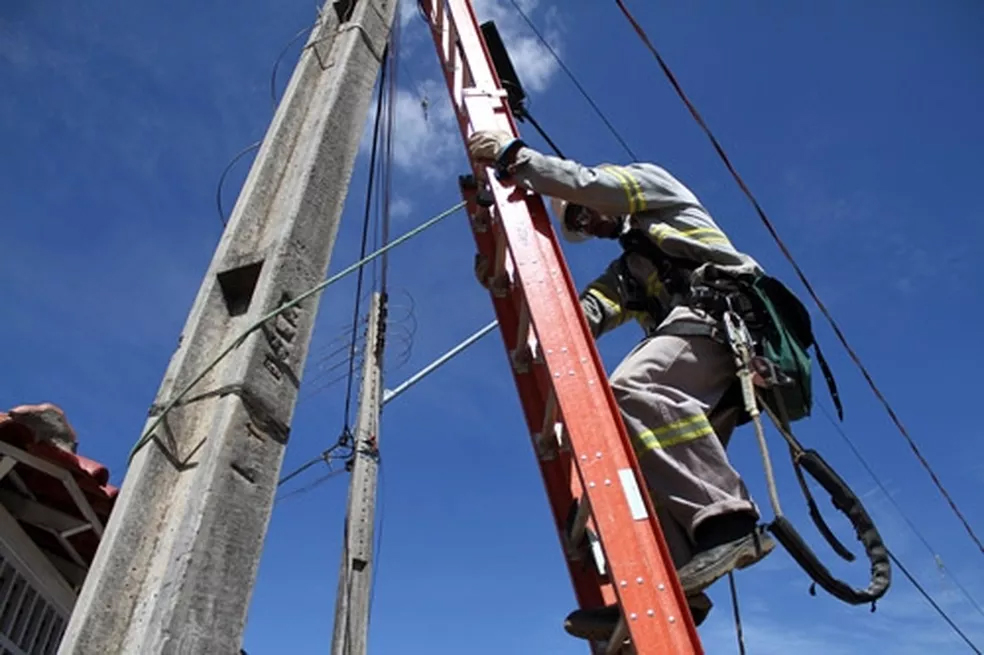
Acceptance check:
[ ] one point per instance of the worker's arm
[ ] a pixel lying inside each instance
(605, 300)
(608, 189)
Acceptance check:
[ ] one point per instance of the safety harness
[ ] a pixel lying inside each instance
(769, 333)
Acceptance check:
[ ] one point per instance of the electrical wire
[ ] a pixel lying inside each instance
(257, 144)
(218, 187)
(574, 80)
(310, 486)
(239, 340)
(802, 277)
(365, 237)
(734, 608)
(276, 63)
(387, 184)
(932, 551)
(929, 599)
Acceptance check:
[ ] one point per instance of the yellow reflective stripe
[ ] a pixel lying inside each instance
(654, 286)
(659, 231)
(706, 235)
(640, 199)
(633, 193)
(673, 434)
(599, 292)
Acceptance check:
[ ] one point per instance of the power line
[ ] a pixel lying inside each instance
(739, 633)
(256, 145)
(929, 599)
(573, 78)
(218, 187)
(898, 508)
(365, 237)
(178, 399)
(283, 52)
(801, 275)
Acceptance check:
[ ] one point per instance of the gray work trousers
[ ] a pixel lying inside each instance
(668, 388)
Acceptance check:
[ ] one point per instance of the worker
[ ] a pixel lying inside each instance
(675, 388)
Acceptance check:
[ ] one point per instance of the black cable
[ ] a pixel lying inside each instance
(276, 63)
(273, 93)
(387, 184)
(734, 608)
(524, 114)
(932, 551)
(300, 469)
(365, 238)
(317, 483)
(570, 74)
(932, 602)
(218, 187)
(802, 276)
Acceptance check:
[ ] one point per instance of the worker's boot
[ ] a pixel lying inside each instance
(723, 543)
(598, 623)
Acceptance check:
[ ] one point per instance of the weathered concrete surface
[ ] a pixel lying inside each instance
(178, 560)
(358, 559)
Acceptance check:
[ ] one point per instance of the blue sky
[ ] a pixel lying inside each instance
(857, 125)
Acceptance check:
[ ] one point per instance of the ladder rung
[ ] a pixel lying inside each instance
(521, 355)
(577, 533)
(579, 525)
(617, 643)
(550, 438)
(500, 277)
(481, 220)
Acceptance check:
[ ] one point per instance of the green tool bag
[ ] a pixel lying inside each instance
(784, 336)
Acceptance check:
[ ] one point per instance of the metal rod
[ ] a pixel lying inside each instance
(390, 394)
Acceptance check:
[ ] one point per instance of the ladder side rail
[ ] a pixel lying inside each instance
(562, 484)
(637, 557)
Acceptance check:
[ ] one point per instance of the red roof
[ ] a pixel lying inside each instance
(44, 432)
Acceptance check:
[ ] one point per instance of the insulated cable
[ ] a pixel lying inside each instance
(734, 608)
(802, 277)
(574, 80)
(218, 187)
(363, 245)
(929, 599)
(932, 551)
(239, 340)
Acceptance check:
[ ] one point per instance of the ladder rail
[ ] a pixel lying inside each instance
(597, 465)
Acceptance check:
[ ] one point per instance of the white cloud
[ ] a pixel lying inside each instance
(400, 208)
(532, 59)
(425, 134)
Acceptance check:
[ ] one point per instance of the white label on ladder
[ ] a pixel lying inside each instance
(597, 553)
(637, 506)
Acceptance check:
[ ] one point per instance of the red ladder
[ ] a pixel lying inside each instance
(613, 544)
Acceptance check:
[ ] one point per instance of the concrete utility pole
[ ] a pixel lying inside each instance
(356, 571)
(175, 570)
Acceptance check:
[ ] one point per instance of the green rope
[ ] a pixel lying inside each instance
(148, 434)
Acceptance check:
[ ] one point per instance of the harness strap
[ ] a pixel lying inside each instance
(848, 503)
(829, 377)
(815, 514)
(692, 329)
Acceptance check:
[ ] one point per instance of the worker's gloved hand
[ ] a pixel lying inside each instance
(488, 146)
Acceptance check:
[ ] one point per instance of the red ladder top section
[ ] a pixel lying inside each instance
(564, 391)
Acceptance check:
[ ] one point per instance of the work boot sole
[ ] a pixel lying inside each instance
(708, 567)
(598, 624)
